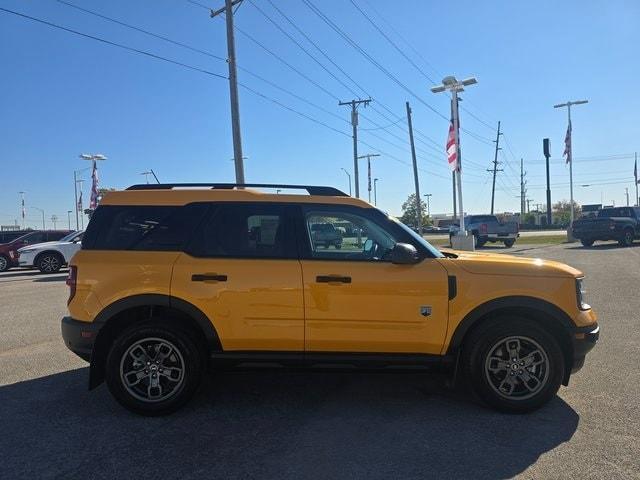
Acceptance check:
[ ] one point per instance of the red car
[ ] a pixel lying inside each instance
(9, 251)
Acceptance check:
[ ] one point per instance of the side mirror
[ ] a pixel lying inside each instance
(404, 254)
(368, 245)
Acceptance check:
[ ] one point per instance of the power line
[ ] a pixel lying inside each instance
(393, 44)
(174, 62)
(114, 44)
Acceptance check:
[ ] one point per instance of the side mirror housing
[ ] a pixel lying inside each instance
(404, 254)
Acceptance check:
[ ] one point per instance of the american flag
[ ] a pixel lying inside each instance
(79, 206)
(93, 202)
(452, 151)
(23, 210)
(567, 143)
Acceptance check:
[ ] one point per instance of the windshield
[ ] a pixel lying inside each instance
(71, 237)
(434, 251)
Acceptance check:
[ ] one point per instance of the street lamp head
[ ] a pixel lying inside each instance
(449, 81)
(85, 156)
(469, 81)
(438, 89)
(99, 156)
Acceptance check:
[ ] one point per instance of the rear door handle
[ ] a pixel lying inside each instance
(208, 277)
(332, 279)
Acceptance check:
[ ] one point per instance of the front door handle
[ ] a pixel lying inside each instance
(208, 277)
(332, 279)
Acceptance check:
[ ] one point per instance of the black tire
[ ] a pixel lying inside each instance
(183, 354)
(627, 238)
(480, 243)
(586, 242)
(509, 243)
(546, 376)
(338, 246)
(4, 263)
(49, 262)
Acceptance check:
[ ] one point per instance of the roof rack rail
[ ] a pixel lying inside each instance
(311, 189)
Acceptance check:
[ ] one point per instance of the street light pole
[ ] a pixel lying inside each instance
(454, 86)
(348, 175)
(69, 218)
(41, 211)
(569, 151)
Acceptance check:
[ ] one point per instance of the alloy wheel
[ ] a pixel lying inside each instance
(50, 263)
(3, 264)
(152, 369)
(517, 367)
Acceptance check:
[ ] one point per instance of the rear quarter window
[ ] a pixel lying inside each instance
(142, 228)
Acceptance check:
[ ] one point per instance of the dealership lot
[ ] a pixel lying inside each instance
(321, 425)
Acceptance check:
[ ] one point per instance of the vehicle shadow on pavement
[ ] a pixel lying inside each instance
(273, 425)
(52, 278)
(604, 246)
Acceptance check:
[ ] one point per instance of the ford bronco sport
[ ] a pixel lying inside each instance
(174, 279)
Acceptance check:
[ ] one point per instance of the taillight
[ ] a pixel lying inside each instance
(483, 228)
(72, 280)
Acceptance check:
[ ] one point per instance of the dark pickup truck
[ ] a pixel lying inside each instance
(619, 223)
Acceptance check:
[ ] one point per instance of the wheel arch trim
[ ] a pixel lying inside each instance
(98, 357)
(497, 304)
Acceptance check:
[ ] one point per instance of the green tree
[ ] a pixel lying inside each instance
(409, 212)
(562, 211)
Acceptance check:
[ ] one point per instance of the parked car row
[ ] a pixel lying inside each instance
(47, 250)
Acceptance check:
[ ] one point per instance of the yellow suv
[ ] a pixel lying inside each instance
(174, 279)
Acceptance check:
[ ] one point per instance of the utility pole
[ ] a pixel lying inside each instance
(547, 153)
(368, 157)
(375, 191)
(495, 168)
(569, 152)
(23, 212)
(529, 200)
(415, 172)
(523, 191)
(354, 123)
(428, 195)
(635, 176)
(233, 86)
(69, 219)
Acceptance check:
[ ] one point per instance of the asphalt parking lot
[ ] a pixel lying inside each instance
(321, 425)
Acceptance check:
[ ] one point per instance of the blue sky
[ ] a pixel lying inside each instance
(63, 95)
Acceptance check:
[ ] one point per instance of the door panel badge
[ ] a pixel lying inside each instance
(425, 310)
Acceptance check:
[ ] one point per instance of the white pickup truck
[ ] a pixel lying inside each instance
(49, 257)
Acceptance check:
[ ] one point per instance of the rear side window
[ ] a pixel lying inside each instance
(55, 236)
(246, 231)
(146, 228)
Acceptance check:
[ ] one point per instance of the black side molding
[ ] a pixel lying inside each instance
(453, 287)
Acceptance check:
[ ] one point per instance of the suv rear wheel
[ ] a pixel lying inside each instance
(513, 365)
(586, 242)
(153, 368)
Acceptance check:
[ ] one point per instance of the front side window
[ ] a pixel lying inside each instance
(345, 235)
(245, 231)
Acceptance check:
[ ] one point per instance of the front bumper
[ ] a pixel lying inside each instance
(584, 339)
(26, 259)
(79, 337)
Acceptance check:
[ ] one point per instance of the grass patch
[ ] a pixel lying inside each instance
(535, 240)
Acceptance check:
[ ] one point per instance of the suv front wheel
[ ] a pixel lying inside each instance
(513, 365)
(153, 368)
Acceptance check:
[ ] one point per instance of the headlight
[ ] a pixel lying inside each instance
(581, 292)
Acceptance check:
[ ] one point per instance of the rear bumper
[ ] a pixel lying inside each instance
(584, 339)
(79, 337)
